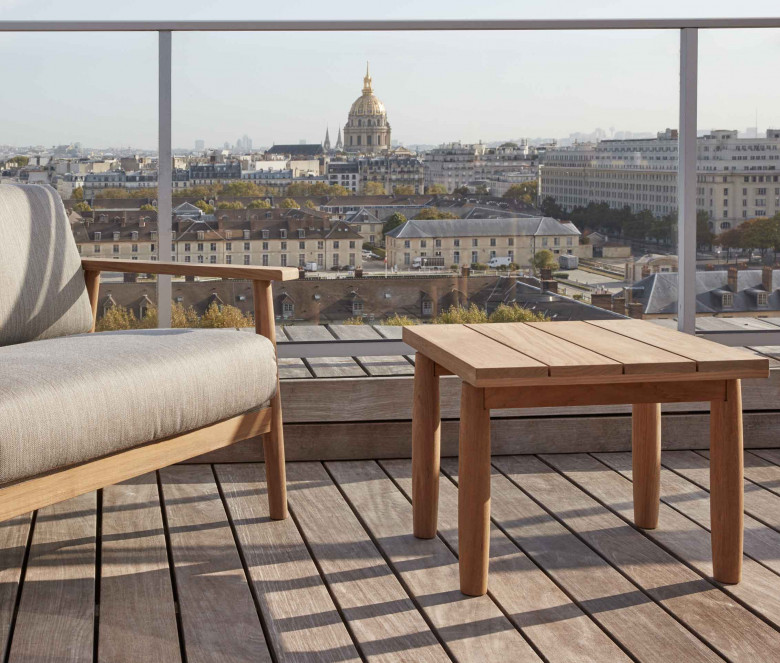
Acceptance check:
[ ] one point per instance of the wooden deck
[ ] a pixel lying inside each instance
(186, 566)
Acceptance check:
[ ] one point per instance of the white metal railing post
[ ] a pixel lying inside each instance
(164, 178)
(686, 182)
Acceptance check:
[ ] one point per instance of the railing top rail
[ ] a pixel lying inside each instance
(389, 25)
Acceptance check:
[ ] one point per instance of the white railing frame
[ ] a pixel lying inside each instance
(686, 171)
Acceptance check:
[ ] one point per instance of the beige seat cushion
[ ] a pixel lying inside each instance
(68, 400)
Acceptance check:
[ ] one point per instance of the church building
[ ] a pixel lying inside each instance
(367, 130)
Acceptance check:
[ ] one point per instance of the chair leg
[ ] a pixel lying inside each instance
(727, 485)
(273, 451)
(474, 491)
(646, 463)
(426, 447)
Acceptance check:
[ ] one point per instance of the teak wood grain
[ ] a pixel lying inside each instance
(243, 272)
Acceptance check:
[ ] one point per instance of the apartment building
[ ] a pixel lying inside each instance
(273, 237)
(738, 178)
(390, 171)
(468, 241)
(455, 165)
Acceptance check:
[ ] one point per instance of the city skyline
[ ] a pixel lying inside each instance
(437, 87)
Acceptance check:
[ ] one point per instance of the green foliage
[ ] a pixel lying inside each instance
(478, 266)
(310, 205)
(437, 190)
(456, 315)
(183, 317)
(203, 205)
(454, 267)
(514, 313)
(526, 192)
(403, 190)
(19, 160)
(203, 192)
(246, 189)
(353, 321)
(83, 206)
(393, 221)
(427, 213)
(78, 193)
(544, 259)
(373, 189)
(230, 205)
(145, 192)
(259, 204)
(460, 191)
(301, 189)
(112, 192)
(397, 320)
(513, 266)
(289, 203)
(224, 317)
(115, 319)
(550, 208)
(481, 190)
(147, 208)
(761, 233)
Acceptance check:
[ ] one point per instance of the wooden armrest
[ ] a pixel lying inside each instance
(244, 272)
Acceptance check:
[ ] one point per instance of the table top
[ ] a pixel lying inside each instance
(581, 352)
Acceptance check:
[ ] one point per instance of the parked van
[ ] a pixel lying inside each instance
(495, 263)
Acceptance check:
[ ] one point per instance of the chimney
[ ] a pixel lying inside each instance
(732, 279)
(635, 310)
(550, 285)
(545, 274)
(646, 271)
(619, 305)
(628, 295)
(602, 300)
(766, 279)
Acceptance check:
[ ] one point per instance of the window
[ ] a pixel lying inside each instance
(474, 256)
(301, 233)
(213, 259)
(246, 246)
(302, 246)
(283, 234)
(135, 248)
(97, 236)
(352, 244)
(228, 234)
(302, 260)
(97, 248)
(265, 246)
(200, 246)
(116, 248)
(352, 259)
(544, 241)
(427, 307)
(727, 300)
(284, 246)
(556, 241)
(407, 244)
(288, 309)
(265, 260)
(246, 234)
(78, 246)
(492, 241)
(335, 259)
(762, 299)
(200, 258)
(213, 246)
(186, 258)
(335, 244)
(284, 260)
(228, 260)
(474, 242)
(423, 243)
(246, 260)
(456, 243)
(320, 260)
(510, 241)
(456, 257)
(320, 244)
(201, 234)
(407, 258)
(228, 246)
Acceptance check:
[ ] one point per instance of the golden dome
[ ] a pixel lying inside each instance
(367, 103)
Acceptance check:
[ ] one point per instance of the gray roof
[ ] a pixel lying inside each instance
(516, 226)
(658, 292)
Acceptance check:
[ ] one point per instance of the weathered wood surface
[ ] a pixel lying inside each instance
(301, 618)
(56, 614)
(14, 534)
(292, 369)
(137, 612)
(219, 620)
(345, 580)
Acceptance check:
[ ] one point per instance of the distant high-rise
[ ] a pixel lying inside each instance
(200, 145)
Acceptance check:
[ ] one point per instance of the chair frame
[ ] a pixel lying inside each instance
(40, 491)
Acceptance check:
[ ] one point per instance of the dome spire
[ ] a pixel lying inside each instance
(367, 82)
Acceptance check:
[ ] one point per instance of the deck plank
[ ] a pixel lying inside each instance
(473, 628)
(766, 470)
(734, 631)
(557, 626)
(56, 618)
(302, 621)
(760, 503)
(335, 367)
(219, 619)
(354, 332)
(386, 365)
(762, 543)
(382, 616)
(137, 611)
(631, 617)
(292, 368)
(14, 535)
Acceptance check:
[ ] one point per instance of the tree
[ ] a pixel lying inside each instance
(704, 236)
(403, 190)
(230, 205)
(731, 239)
(310, 205)
(145, 192)
(762, 233)
(183, 317)
(544, 259)
(439, 190)
(259, 204)
(456, 315)
(147, 208)
(203, 205)
(225, 316)
(338, 190)
(481, 190)
(289, 203)
(393, 221)
(83, 206)
(515, 313)
(19, 160)
(245, 189)
(301, 189)
(427, 213)
(550, 208)
(112, 193)
(459, 191)
(525, 192)
(116, 318)
(373, 189)
(77, 193)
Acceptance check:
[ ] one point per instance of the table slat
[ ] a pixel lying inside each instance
(470, 354)
(708, 355)
(563, 358)
(636, 357)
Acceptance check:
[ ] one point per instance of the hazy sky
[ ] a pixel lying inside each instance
(101, 89)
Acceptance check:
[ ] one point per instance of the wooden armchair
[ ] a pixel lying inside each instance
(154, 398)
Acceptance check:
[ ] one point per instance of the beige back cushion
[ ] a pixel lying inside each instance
(42, 289)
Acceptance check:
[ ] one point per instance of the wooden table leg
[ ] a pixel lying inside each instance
(727, 484)
(646, 462)
(426, 447)
(474, 491)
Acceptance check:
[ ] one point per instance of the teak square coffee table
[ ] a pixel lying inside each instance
(600, 362)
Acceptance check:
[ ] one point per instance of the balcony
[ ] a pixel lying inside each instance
(185, 564)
